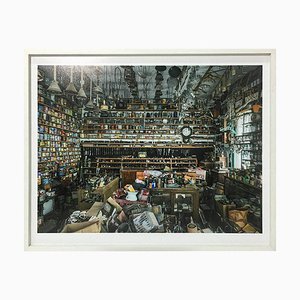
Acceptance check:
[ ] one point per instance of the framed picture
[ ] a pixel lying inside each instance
(109, 135)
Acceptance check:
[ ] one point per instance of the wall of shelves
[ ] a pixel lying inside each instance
(58, 134)
(250, 140)
(241, 109)
(160, 124)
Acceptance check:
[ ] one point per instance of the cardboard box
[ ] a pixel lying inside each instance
(95, 210)
(223, 208)
(249, 229)
(93, 226)
(82, 205)
(108, 190)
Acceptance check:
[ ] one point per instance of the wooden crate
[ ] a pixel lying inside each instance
(107, 190)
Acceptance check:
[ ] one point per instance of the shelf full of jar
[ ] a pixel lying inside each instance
(143, 160)
(60, 151)
(146, 120)
(255, 157)
(55, 158)
(56, 144)
(57, 131)
(53, 166)
(57, 147)
(252, 137)
(147, 138)
(111, 144)
(145, 131)
(61, 120)
(253, 133)
(65, 126)
(142, 113)
(131, 125)
(53, 162)
(58, 138)
(58, 154)
(89, 171)
(144, 163)
(57, 105)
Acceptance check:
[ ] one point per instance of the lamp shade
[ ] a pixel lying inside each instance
(98, 89)
(71, 89)
(54, 88)
(81, 93)
(90, 105)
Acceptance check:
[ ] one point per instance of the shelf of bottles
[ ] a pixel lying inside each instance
(97, 165)
(96, 160)
(250, 140)
(243, 104)
(58, 134)
(147, 121)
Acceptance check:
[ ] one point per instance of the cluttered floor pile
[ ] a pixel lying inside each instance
(129, 211)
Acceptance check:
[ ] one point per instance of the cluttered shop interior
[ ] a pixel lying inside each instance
(149, 149)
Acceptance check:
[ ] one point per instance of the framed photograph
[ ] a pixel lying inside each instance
(144, 150)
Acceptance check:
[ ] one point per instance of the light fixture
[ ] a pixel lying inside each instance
(98, 89)
(81, 94)
(90, 104)
(54, 87)
(71, 89)
(96, 108)
(233, 72)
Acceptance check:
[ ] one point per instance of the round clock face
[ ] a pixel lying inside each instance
(186, 131)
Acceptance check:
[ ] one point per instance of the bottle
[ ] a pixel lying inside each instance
(154, 183)
(146, 181)
(150, 183)
(159, 183)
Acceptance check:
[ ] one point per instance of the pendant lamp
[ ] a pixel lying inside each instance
(96, 107)
(81, 94)
(98, 89)
(90, 104)
(54, 87)
(71, 89)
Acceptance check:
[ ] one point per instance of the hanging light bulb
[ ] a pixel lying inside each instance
(54, 87)
(81, 94)
(71, 89)
(90, 104)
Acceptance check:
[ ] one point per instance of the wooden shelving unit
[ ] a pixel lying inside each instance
(58, 135)
(91, 166)
(139, 121)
